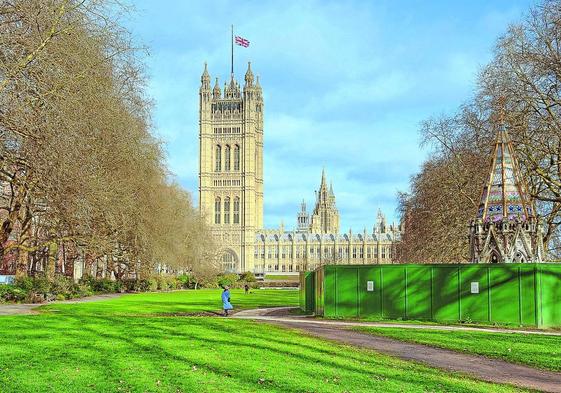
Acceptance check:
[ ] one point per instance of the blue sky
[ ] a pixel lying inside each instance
(345, 84)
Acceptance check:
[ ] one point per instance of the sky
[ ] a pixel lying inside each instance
(346, 85)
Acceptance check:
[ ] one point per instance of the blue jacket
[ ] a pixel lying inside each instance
(226, 305)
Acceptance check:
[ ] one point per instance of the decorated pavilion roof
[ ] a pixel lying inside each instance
(505, 196)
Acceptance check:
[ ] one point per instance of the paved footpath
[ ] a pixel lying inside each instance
(22, 309)
(492, 370)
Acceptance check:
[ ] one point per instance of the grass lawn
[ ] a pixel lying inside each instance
(539, 351)
(178, 302)
(137, 344)
(281, 277)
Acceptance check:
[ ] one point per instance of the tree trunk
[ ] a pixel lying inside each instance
(51, 260)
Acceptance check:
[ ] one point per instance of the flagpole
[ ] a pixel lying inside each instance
(232, 64)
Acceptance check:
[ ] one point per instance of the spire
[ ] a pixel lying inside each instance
(325, 217)
(303, 219)
(505, 200)
(249, 75)
(504, 196)
(216, 90)
(232, 89)
(257, 84)
(331, 189)
(380, 222)
(205, 77)
(322, 192)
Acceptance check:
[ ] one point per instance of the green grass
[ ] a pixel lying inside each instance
(179, 302)
(137, 343)
(541, 351)
(281, 277)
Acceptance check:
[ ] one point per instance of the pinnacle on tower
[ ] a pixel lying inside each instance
(205, 77)
(216, 91)
(249, 75)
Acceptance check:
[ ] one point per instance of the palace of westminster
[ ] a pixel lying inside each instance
(506, 227)
(231, 194)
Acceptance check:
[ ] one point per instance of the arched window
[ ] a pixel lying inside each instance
(236, 210)
(229, 262)
(227, 158)
(218, 162)
(217, 211)
(227, 211)
(236, 158)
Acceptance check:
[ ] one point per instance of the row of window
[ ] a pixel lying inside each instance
(222, 116)
(226, 106)
(343, 252)
(227, 158)
(227, 183)
(227, 130)
(219, 217)
(283, 268)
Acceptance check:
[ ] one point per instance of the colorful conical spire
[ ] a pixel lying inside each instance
(504, 196)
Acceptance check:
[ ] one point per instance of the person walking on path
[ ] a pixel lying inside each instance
(226, 305)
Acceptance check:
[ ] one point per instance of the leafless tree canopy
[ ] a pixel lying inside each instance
(79, 169)
(525, 76)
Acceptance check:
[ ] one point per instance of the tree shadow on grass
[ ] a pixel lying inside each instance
(324, 361)
(98, 341)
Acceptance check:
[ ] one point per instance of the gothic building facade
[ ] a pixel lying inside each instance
(506, 228)
(231, 194)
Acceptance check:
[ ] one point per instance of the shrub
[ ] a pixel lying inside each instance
(11, 293)
(39, 288)
(118, 286)
(41, 285)
(24, 283)
(131, 285)
(228, 279)
(183, 281)
(103, 285)
(167, 283)
(248, 277)
(151, 284)
(61, 285)
(79, 290)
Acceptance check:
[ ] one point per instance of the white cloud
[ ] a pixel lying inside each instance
(345, 83)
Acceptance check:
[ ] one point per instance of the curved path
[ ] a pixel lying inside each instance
(480, 367)
(22, 309)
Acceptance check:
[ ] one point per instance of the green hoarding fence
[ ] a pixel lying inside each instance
(307, 292)
(520, 294)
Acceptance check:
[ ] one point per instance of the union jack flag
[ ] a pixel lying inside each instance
(242, 41)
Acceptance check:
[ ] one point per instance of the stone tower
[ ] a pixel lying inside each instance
(380, 223)
(303, 221)
(325, 218)
(506, 228)
(231, 166)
